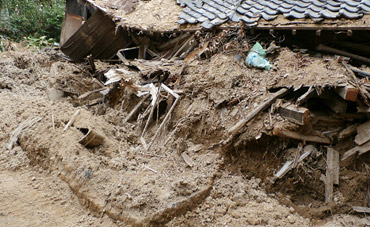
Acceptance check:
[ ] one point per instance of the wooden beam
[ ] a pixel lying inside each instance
(363, 133)
(299, 115)
(233, 130)
(348, 93)
(324, 48)
(282, 132)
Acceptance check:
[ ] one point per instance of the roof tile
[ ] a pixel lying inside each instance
(215, 12)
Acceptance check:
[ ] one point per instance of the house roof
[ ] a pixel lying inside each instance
(215, 12)
(172, 15)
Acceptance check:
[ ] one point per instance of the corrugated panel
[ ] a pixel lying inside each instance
(97, 36)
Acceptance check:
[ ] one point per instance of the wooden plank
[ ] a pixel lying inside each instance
(282, 132)
(348, 93)
(360, 209)
(363, 109)
(363, 133)
(362, 149)
(233, 130)
(329, 176)
(286, 167)
(292, 164)
(335, 165)
(299, 115)
(347, 132)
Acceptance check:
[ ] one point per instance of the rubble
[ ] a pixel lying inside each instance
(163, 124)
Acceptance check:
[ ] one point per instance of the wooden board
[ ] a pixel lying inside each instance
(363, 133)
(282, 132)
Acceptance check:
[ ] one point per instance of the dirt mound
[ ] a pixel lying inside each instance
(185, 178)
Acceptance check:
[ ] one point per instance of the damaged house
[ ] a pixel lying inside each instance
(312, 110)
(164, 29)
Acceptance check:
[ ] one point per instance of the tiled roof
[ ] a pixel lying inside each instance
(215, 12)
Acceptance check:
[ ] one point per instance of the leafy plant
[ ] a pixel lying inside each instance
(40, 42)
(33, 18)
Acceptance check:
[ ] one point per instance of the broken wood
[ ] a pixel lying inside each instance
(185, 44)
(24, 125)
(363, 109)
(360, 72)
(289, 165)
(90, 59)
(322, 47)
(348, 93)
(329, 182)
(282, 132)
(187, 159)
(153, 105)
(311, 92)
(360, 209)
(233, 130)
(92, 92)
(177, 98)
(70, 122)
(334, 165)
(299, 115)
(358, 149)
(135, 109)
(347, 132)
(363, 133)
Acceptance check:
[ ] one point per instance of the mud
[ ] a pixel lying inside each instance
(122, 183)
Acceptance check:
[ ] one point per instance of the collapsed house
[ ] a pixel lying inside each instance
(164, 29)
(325, 108)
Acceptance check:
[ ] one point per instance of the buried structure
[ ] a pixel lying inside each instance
(185, 133)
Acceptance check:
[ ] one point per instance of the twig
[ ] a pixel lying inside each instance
(153, 170)
(72, 120)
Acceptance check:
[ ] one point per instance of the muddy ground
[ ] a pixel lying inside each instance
(48, 178)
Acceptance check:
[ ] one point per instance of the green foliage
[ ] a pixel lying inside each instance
(40, 42)
(33, 18)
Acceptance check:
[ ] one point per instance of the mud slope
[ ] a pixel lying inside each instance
(48, 178)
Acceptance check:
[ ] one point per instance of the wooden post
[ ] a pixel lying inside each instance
(329, 175)
(335, 165)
